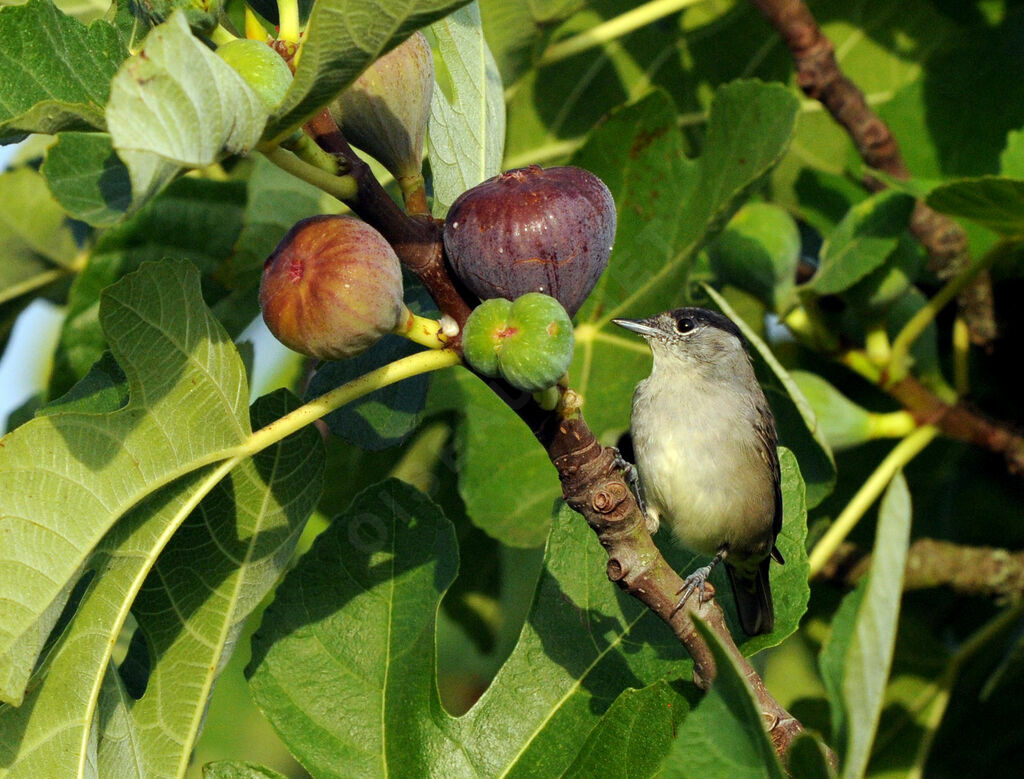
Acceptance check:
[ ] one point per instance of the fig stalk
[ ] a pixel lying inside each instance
(421, 330)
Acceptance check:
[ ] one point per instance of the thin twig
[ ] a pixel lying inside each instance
(592, 484)
(820, 78)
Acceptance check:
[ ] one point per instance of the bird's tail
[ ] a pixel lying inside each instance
(753, 597)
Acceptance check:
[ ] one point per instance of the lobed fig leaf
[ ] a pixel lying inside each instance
(528, 343)
(332, 288)
(532, 230)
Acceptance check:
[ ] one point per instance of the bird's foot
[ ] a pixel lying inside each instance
(698, 581)
(633, 482)
(695, 582)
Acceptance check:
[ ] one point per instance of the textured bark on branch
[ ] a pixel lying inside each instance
(592, 484)
(969, 570)
(820, 78)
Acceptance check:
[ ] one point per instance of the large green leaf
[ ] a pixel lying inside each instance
(92, 182)
(54, 71)
(178, 100)
(187, 406)
(634, 735)
(223, 556)
(398, 554)
(342, 38)
(194, 219)
(466, 134)
(724, 735)
(861, 242)
(354, 621)
(992, 201)
(855, 660)
(368, 635)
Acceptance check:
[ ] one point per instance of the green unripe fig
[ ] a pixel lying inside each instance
(385, 112)
(202, 15)
(332, 288)
(262, 68)
(528, 342)
(758, 252)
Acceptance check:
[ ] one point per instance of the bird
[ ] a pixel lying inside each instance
(705, 450)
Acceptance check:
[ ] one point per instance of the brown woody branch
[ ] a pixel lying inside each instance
(416, 239)
(591, 482)
(969, 570)
(820, 78)
(960, 422)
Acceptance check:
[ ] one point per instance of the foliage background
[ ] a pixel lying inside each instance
(947, 77)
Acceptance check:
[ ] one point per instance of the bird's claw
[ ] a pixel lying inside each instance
(633, 481)
(698, 580)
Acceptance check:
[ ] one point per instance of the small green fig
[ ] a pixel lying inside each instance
(262, 68)
(532, 229)
(528, 342)
(385, 112)
(332, 288)
(202, 15)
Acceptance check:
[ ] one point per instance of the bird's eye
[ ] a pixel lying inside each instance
(684, 324)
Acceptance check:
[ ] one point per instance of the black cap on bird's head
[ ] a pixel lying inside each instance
(698, 331)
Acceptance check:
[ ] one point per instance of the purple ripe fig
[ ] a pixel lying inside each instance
(385, 112)
(532, 230)
(528, 342)
(332, 288)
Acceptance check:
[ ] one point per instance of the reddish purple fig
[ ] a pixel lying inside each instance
(332, 288)
(532, 230)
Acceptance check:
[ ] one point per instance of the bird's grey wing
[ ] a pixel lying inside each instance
(765, 427)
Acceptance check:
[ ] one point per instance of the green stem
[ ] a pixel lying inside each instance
(877, 346)
(614, 28)
(288, 20)
(342, 187)
(306, 149)
(413, 365)
(222, 35)
(894, 424)
(421, 330)
(912, 330)
(961, 357)
(902, 453)
(33, 283)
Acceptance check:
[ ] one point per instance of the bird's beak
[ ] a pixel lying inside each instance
(639, 326)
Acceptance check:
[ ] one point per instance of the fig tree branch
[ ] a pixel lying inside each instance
(591, 482)
(969, 570)
(416, 239)
(819, 76)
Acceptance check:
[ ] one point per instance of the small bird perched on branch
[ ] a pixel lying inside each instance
(705, 447)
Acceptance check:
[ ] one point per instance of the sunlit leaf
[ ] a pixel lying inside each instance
(44, 93)
(177, 99)
(466, 134)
